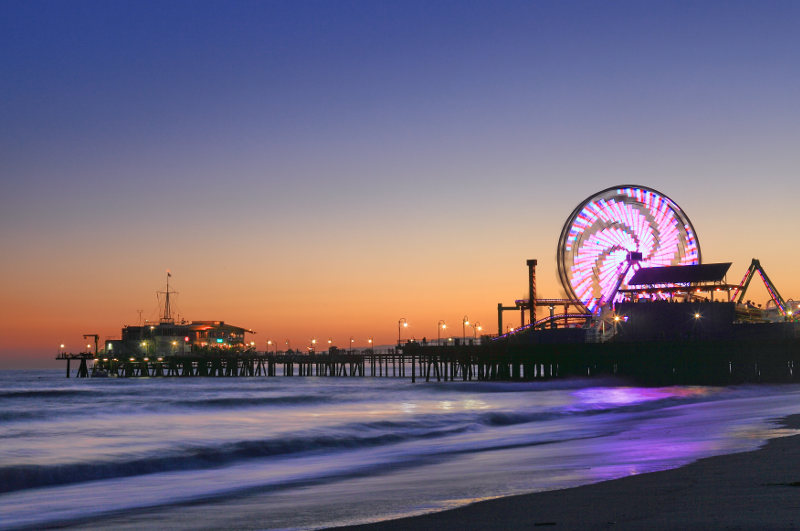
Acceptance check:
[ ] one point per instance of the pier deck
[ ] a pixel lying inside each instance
(660, 363)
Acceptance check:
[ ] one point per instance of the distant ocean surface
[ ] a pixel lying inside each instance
(310, 452)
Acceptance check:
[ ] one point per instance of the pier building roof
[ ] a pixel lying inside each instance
(685, 274)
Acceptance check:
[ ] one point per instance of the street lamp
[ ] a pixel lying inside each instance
(464, 325)
(351, 343)
(439, 327)
(476, 328)
(61, 349)
(313, 344)
(288, 346)
(275, 343)
(402, 323)
(371, 343)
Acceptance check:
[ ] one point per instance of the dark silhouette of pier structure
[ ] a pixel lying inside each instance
(645, 362)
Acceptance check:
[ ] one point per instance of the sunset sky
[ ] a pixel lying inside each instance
(315, 169)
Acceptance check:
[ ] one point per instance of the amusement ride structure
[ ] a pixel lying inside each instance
(615, 232)
(626, 244)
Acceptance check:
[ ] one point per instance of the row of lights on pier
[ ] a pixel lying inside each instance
(313, 343)
(442, 325)
(401, 324)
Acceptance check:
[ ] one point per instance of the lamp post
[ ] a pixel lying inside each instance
(402, 323)
(351, 343)
(371, 344)
(475, 329)
(464, 325)
(439, 327)
(288, 346)
(61, 349)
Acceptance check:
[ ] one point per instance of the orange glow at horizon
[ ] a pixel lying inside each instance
(335, 306)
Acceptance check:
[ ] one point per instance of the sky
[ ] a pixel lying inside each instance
(321, 169)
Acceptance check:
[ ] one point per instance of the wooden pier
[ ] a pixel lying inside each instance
(653, 363)
(82, 358)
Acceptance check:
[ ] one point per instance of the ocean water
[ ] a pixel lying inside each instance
(311, 452)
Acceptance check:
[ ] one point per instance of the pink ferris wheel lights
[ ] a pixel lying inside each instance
(601, 232)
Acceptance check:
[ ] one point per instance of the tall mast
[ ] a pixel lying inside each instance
(167, 317)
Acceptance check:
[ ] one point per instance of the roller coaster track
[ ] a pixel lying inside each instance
(545, 320)
(549, 302)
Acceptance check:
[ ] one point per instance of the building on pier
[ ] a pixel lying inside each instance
(170, 338)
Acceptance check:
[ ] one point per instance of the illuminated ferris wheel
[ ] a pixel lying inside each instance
(614, 232)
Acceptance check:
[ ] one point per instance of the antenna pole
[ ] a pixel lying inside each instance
(166, 303)
(167, 317)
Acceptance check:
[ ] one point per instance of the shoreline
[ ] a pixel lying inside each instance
(759, 489)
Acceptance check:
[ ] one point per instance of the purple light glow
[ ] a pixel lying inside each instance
(595, 397)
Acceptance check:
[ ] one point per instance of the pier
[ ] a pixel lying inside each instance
(659, 363)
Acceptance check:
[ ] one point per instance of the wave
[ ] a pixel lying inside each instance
(44, 393)
(341, 438)
(240, 401)
(14, 478)
(36, 414)
(556, 384)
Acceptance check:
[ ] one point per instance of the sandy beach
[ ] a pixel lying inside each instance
(750, 490)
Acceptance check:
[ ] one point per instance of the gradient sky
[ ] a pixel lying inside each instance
(321, 169)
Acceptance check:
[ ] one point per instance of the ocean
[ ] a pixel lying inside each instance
(313, 452)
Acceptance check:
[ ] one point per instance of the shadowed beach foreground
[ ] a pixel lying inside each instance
(750, 490)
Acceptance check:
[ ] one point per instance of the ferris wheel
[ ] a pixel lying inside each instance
(602, 234)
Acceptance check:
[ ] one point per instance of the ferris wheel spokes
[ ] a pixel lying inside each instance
(604, 235)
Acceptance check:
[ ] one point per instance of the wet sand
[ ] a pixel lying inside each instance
(751, 490)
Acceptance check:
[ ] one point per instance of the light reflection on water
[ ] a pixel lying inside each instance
(604, 396)
(398, 448)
